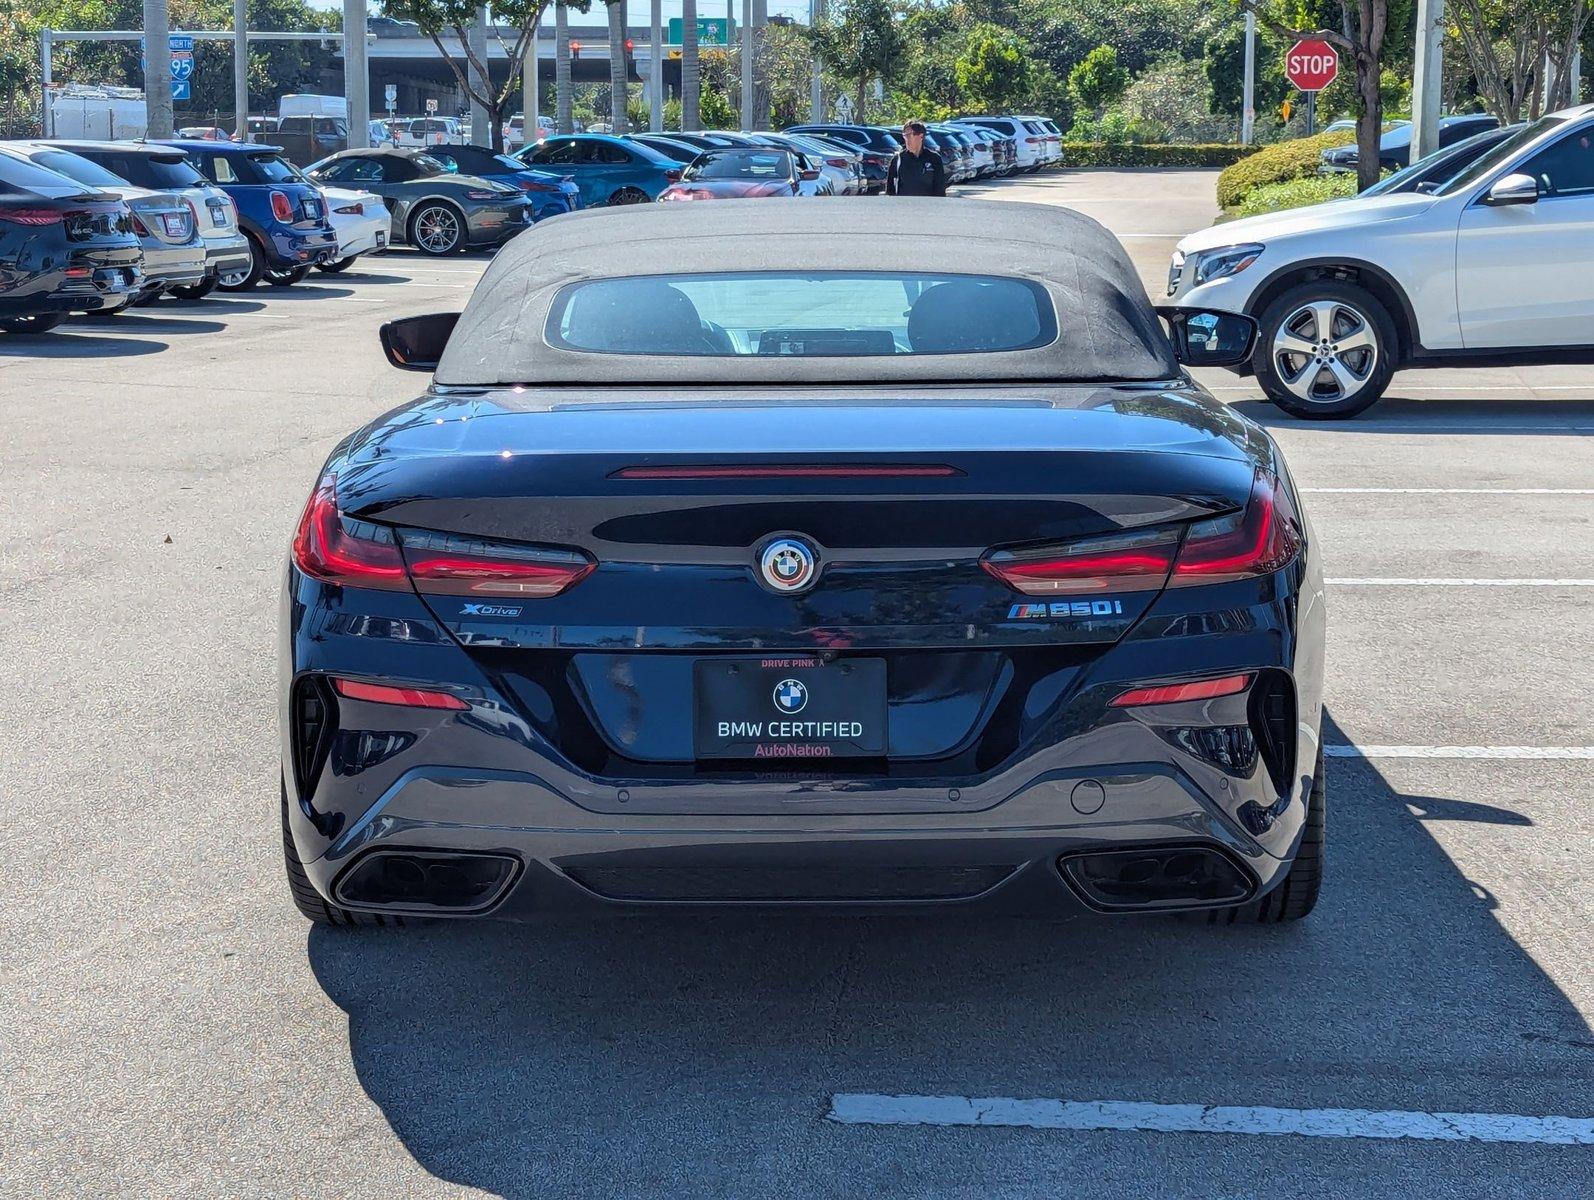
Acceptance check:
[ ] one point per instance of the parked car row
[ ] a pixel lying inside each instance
(95, 227)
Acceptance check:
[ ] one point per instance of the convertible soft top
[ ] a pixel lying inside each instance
(1107, 330)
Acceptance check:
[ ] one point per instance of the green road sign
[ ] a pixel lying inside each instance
(711, 31)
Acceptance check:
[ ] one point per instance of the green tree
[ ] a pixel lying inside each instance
(435, 17)
(1223, 61)
(993, 73)
(862, 41)
(1098, 80)
(1508, 42)
(1358, 29)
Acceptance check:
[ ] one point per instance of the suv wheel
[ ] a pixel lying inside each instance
(1326, 350)
(437, 229)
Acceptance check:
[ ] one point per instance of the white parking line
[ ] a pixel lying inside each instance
(1368, 581)
(865, 1109)
(1498, 753)
(1438, 491)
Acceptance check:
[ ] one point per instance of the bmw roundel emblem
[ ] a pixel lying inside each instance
(791, 696)
(787, 565)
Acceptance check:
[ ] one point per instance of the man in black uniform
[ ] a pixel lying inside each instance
(916, 170)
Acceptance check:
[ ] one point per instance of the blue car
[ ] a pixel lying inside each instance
(549, 194)
(281, 212)
(608, 170)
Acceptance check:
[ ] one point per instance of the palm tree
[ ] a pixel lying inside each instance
(691, 82)
(618, 91)
(561, 49)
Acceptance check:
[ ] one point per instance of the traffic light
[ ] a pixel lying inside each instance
(575, 49)
(630, 46)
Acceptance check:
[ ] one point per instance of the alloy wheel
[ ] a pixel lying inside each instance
(437, 230)
(1325, 351)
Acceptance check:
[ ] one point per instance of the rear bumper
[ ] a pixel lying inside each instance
(224, 255)
(363, 235)
(169, 266)
(568, 857)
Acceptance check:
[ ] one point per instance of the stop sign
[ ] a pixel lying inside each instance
(1311, 64)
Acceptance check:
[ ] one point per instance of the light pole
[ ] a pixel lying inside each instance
(1427, 83)
(157, 68)
(747, 64)
(1248, 105)
(816, 86)
(240, 68)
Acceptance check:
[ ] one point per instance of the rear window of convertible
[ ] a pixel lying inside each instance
(802, 314)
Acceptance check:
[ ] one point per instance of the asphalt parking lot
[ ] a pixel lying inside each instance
(173, 1028)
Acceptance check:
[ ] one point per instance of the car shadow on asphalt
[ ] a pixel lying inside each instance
(1395, 414)
(695, 1052)
(142, 321)
(359, 277)
(64, 344)
(307, 291)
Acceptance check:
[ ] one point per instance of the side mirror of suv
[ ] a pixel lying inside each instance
(1513, 189)
(1209, 339)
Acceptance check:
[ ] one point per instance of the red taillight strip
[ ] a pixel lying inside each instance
(325, 550)
(410, 697)
(472, 576)
(1133, 562)
(793, 471)
(1263, 539)
(1175, 693)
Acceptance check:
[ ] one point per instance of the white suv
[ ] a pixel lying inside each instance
(1494, 266)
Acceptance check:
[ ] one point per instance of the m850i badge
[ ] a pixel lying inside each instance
(1066, 608)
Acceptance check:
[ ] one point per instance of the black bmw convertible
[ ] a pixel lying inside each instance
(876, 556)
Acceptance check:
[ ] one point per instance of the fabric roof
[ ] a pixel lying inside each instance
(1107, 329)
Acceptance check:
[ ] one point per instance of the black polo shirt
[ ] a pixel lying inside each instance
(921, 174)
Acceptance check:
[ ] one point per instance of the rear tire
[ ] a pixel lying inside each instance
(337, 266)
(629, 195)
(195, 291)
(306, 899)
(286, 278)
(437, 229)
(37, 323)
(1296, 895)
(242, 281)
(1325, 351)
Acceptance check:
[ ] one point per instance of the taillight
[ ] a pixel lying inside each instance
(837, 162)
(1176, 693)
(282, 207)
(532, 185)
(139, 227)
(339, 549)
(1132, 562)
(351, 210)
(451, 565)
(194, 210)
(673, 174)
(1258, 541)
(411, 697)
(32, 216)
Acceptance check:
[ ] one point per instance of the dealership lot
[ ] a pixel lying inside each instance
(175, 1029)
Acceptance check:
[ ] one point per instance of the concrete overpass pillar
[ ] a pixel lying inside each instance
(480, 133)
(356, 74)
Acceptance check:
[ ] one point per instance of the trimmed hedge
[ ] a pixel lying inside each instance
(1138, 154)
(1295, 159)
(1296, 193)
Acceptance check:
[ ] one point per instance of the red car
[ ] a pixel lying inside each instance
(744, 172)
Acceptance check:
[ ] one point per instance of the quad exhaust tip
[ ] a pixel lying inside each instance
(1169, 877)
(426, 881)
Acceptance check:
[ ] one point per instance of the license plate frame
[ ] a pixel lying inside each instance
(771, 708)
